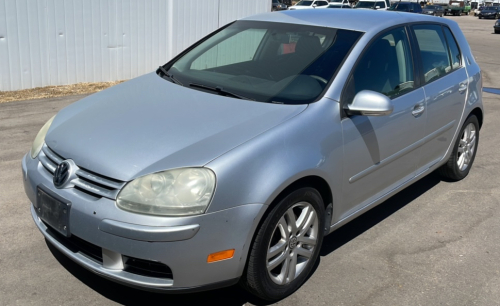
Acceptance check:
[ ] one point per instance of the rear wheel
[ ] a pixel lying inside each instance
(286, 246)
(464, 151)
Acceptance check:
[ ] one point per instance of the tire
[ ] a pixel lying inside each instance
(275, 283)
(497, 31)
(459, 164)
(480, 17)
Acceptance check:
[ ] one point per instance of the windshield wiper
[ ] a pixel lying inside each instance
(168, 76)
(220, 91)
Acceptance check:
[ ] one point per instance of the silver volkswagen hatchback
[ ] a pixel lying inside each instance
(233, 160)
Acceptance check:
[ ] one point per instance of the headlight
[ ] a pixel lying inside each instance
(40, 138)
(179, 192)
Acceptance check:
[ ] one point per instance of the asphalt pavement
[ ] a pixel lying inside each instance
(435, 243)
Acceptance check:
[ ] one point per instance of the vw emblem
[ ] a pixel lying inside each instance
(62, 174)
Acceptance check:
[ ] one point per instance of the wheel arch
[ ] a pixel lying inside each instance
(479, 114)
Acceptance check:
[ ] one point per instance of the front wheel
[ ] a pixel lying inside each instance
(286, 246)
(464, 151)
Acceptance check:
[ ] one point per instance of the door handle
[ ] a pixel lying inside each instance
(418, 109)
(462, 88)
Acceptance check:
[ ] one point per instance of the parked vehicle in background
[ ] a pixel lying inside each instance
(454, 7)
(373, 4)
(496, 27)
(478, 10)
(457, 8)
(410, 7)
(278, 6)
(222, 169)
(490, 12)
(309, 4)
(339, 4)
(346, 6)
(434, 10)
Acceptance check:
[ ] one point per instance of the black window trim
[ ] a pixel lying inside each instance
(416, 68)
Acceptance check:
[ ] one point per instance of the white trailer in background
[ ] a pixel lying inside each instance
(59, 42)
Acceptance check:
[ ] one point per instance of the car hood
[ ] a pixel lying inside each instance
(149, 124)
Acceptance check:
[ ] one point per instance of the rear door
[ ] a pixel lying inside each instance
(445, 84)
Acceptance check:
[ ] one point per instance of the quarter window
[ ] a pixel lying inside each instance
(385, 67)
(433, 51)
(456, 57)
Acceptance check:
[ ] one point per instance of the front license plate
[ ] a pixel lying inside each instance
(53, 212)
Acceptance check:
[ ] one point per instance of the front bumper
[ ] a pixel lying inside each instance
(180, 243)
(487, 16)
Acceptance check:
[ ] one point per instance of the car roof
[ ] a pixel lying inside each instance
(358, 20)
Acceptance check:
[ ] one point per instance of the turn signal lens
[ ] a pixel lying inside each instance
(222, 255)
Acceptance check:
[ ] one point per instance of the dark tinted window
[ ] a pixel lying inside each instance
(385, 67)
(433, 51)
(456, 57)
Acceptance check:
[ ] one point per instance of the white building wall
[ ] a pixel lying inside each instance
(58, 42)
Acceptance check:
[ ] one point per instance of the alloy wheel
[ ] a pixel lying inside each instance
(466, 147)
(292, 243)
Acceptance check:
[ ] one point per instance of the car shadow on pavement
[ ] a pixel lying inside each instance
(235, 295)
(371, 218)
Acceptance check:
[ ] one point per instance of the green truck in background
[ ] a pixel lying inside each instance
(454, 7)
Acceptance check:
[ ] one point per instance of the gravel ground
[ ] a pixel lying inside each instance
(54, 91)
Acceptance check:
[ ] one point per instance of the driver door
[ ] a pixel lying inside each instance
(381, 152)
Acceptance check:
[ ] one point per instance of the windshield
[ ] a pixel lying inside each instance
(370, 4)
(304, 3)
(337, 1)
(265, 61)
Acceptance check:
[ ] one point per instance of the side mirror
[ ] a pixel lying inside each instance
(314, 5)
(377, 7)
(370, 103)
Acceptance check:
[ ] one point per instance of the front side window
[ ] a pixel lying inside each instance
(266, 61)
(385, 67)
(433, 51)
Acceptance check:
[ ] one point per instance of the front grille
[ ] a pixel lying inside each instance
(87, 182)
(146, 268)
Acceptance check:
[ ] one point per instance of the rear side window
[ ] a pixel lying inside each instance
(433, 51)
(385, 67)
(456, 57)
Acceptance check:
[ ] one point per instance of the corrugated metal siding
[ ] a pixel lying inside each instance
(57, 42)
